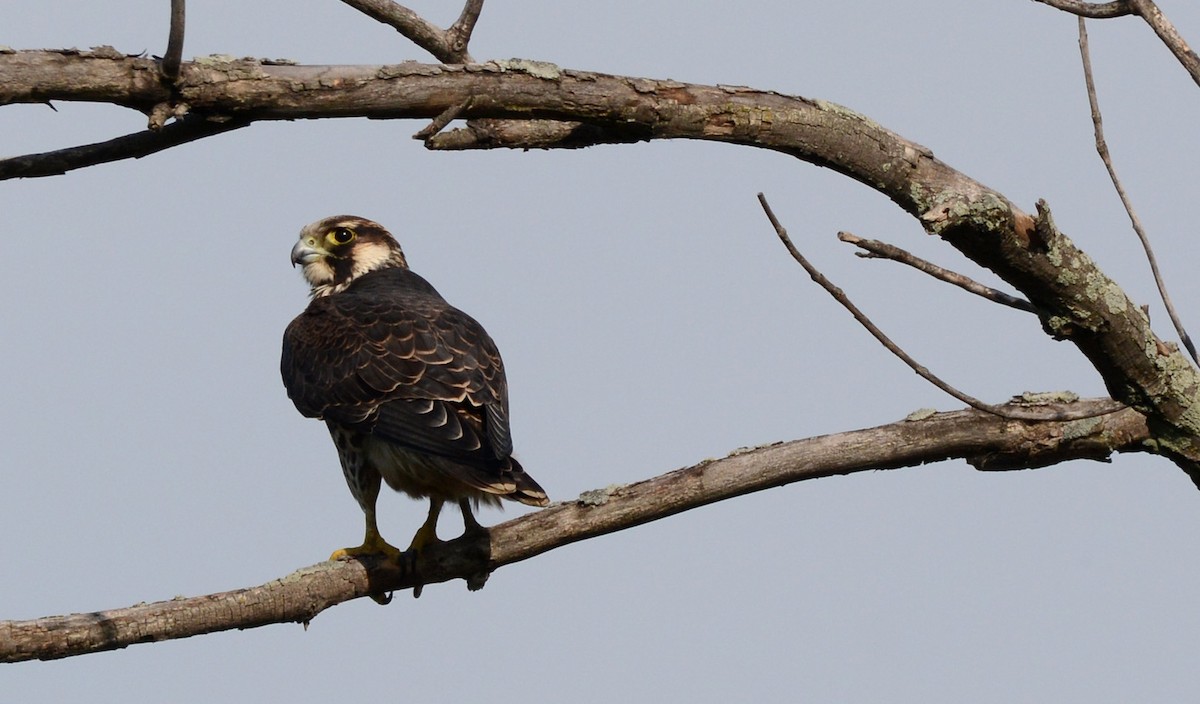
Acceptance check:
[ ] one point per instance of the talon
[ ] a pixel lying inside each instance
(373, 544)
(427, 533)
(426, 536)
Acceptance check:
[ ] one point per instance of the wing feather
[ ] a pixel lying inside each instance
(389, 356)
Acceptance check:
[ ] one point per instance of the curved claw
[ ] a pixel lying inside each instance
(373, 544)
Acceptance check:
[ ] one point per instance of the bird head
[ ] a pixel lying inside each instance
(337, 250)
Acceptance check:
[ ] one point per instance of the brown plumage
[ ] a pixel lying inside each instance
(411, 388)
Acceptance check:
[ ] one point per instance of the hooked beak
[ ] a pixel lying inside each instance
(305, 252)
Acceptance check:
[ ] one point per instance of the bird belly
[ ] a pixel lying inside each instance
(421, 475)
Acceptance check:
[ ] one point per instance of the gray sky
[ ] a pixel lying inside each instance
(649, 319)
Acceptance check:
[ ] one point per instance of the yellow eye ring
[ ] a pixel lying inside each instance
(340, 235)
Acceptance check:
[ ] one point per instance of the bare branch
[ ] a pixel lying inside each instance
(1149, 12)
(985, 441)
(439, 123)
(882, 250)
(459, 33)
(1028, 252)
(450, 47)
(447, 46)
(130, 146)
(1170, 36)
(1105, 10)
(1102, 150)
(524, 134)
(174, 53)
(415, 28)
(1019, 413)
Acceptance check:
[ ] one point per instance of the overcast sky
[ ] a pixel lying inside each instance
(649, 319)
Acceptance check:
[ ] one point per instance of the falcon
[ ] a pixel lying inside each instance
(411, 388)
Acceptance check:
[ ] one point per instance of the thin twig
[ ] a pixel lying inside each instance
(840, 296)
(439, 123)
(1102, 150)
(130, 146)
(174, 54)
(882, 250)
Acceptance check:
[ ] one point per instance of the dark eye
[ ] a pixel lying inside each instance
(341, 235)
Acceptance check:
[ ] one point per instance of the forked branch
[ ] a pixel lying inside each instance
(1010, 412)
(446, 45)
(1026, 251)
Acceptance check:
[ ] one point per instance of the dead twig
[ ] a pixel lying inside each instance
(174, 53)
(439, 123)
(1104, 10)
(840, 296)
(882, 250)
(1106, 157)
(1170, 36)
(448, 46)
(130, 146)
(459, 33)
(1149, 12)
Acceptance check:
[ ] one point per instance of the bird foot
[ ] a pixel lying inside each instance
(369, 547)
(373, 546)
(412, 555)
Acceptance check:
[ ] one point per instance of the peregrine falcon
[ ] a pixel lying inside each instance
(411, 388)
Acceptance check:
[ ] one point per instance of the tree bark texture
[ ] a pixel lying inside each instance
(1074, 299)
(986, 441)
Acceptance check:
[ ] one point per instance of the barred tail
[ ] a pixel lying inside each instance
(528, 491)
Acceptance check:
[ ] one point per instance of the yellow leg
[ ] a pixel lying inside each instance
(427, 533)
(373, 543)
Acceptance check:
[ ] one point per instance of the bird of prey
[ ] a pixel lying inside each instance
(411, 388)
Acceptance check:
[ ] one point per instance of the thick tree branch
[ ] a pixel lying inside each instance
(1076, 301)
(450, 47)
(985, 441)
